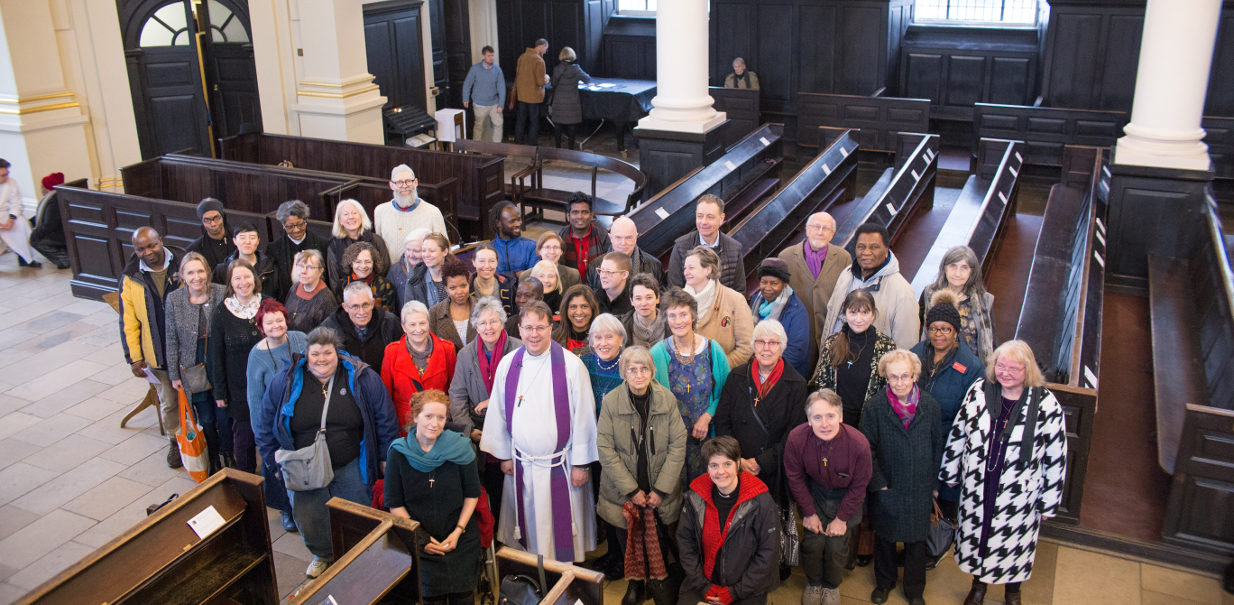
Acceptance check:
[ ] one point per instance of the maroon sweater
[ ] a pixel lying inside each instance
(846, 470)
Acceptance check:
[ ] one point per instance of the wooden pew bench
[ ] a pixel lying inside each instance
(891, 201)
(879, 119)
(566, 583)
(163, 560)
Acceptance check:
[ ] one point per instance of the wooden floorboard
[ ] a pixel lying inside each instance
(1008, 276)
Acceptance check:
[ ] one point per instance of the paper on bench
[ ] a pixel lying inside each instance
(826, 169)
(662, 213)
(206, 522)
(730, 165)
(764, 141)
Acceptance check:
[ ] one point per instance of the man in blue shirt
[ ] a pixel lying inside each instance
(485, 86)
(514, 252)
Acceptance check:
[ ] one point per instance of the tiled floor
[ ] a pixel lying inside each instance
(71, 479)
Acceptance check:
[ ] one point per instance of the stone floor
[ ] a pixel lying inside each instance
(71, 479)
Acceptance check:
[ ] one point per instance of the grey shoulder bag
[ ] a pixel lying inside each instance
(195, 378)
(309, 468)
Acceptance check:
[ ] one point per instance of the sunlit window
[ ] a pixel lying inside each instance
(166, 27)
(225, 26)
(976, 12)
(637, 7)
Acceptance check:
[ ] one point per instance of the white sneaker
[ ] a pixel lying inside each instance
(317, 566)
(813, 595)
(831, 596)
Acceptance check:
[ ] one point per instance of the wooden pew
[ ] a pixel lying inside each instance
(478, 185)
(1061, 315)
(375, 558)
(1047, 130)
(1193, 370)
(749, 170)
(911, 187)
(569, 583)
(829, 177)
(880, 119)
(741, 107)
(162, 559)
(980, 213)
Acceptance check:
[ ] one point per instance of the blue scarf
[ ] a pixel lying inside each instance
(451, 446)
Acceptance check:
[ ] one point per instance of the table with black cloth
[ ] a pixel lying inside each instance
(623, 103)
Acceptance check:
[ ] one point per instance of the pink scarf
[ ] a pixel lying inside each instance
(907, 409)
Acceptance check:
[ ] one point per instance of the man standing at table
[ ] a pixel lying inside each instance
(396, 218)
(529, 80)
(485, 87)
(541, 424)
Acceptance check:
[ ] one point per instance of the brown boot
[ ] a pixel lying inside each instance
(976, 596)
(1012, 598)
(173, 455)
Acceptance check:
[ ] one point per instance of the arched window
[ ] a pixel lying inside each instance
(168, 26)
(225, 26)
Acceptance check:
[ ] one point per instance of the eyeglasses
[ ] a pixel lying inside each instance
(899, 378)
(404, 183)
(766, 344)
(293, 226)
(638, 370)
(540, 328)
(307, 266)
(941, 329)
(360, 306)
(1009, 369)
(610, 272)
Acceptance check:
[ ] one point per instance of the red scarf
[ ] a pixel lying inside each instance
(764, 387)
(488, 369)
(715, 531)
(368, 280)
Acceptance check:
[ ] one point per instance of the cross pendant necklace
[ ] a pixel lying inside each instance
(824, 462)
(432, 479)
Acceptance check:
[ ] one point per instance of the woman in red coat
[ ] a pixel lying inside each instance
(419, 361)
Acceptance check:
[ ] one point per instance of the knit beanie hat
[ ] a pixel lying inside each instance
(53, 179)
(775, 267)
(207, 205)
(943, 308)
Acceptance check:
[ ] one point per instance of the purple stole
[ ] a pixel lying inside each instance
(563, 535)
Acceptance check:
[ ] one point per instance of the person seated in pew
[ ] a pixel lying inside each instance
(645, 323)
(248, 249)
(545, 272)
(294, 216)
(365, 263)
(723, 314)
(310, 302)
(814, 265)
(396, 218)
(876, 270)
(400, 271)
(364, 327)
(549, 248)
(623, 235)
(431, 478)
(578, 308)
(728, 533)
(614, 292)
(488, 281)
(960, 273)
(741, 77)
(48, 235)
(708, 216)
(529, 289)
(583, 239)
(450, 318)
(417, 362)
(360, 423)
(426, 283)
(515, 253)
(351, 225)
(215, 242)
(777, 300)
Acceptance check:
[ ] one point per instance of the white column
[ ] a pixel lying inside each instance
(336, 97)
(681, 103)
(1171, 82)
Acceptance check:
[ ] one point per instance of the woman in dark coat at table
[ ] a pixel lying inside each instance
(431, 478)
(906, 445)
(233, 332)
(566, 109)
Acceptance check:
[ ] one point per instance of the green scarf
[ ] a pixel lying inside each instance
(450, 446)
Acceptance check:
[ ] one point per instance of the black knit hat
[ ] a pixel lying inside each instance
(943, 309)
(207, 205)
(775, 267)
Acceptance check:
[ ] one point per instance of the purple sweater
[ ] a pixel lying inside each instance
(841, 465)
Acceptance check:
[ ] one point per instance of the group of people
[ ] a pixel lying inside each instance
(589, 394)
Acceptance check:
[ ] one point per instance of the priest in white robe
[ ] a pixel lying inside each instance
(541, 424)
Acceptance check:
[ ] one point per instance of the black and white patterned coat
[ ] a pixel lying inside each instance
(1027, 493)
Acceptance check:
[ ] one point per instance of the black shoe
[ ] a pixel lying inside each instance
(173, 455)
(864, 560)
(289, 523)
(229, 460)
(917, 601)
(636, 593)
(879, 595)
(661, 592)
(21, 262)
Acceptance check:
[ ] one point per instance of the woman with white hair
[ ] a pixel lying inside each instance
(400, 271)
(604, 345)
(1007, 452)
(351, 225)
(549, 275)
(760, 403)
(960, 273)
(417, 362)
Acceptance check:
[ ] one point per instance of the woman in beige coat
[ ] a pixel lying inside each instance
(723, 314)
(642, 446)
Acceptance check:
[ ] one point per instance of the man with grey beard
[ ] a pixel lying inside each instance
(396, 218)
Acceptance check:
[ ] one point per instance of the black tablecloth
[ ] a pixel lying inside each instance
(624, 101)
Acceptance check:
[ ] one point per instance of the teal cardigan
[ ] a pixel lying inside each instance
(719, 369)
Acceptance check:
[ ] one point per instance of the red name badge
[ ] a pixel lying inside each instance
(959, 367)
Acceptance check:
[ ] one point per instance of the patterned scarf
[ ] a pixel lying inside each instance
(906, 409)
(488, 367)
(644, 561)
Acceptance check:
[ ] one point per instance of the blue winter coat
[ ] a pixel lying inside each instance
(272, 423)
(948, 386)
(796, 322)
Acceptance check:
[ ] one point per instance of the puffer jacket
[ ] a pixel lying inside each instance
(143, 325)
(618, 440)
(747, 562)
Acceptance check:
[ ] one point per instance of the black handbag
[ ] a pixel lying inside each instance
(518, 589)
(942, 533)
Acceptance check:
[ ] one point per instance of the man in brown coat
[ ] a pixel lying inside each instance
(529, 80)
(814, 265)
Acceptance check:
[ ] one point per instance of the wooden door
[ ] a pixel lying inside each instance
(231, 73)
(394, 45)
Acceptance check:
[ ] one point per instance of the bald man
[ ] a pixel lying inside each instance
(623, 237)
(148, 278)
(814, 265)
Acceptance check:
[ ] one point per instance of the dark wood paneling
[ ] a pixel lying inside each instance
(1220, 99)
(955, 67)
(1046, 130)
(458, 48)
(1092, 50)
(879, 118)
(578, 24)
(395, 51)
(741, 107)
(629, 48)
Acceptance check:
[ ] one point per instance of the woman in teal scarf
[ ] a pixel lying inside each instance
(431, 477)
